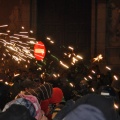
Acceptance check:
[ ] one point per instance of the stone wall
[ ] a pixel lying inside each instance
(15, 14)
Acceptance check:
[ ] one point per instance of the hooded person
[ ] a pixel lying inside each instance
(16, 112)
(50, 104)
(102, 103)
(31, 99)
(85, 112)
(30, 102)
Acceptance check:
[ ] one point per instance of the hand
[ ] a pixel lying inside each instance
(43, 116)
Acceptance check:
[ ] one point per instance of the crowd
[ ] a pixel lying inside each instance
(32, 97)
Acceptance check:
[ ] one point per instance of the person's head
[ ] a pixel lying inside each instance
(104, 104)
(16, 112)
(90, 107)
(85, 112)
(30, 102)
(42, 92)
(28, 84)
(57, 96)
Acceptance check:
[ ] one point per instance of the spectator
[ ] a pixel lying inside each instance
(97, 107)
(31, 98)
(50, 104)
(85, 112)
(16, 112)
(42, 92)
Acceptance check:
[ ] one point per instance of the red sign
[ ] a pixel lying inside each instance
(39, 50)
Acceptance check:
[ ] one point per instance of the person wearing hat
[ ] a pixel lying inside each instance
(50, 104)
(90, 107)
(31, 98)
(41, 92)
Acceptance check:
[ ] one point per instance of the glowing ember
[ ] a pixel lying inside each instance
(98, 58)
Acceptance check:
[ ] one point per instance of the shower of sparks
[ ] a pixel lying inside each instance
(18, 46)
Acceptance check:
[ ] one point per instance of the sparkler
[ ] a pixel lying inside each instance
(23, 27)
(8, 31)
(4, 26)
(24, 36)
(93, 71)
(14, 37)
(56, 75)
(63, 64)
(108, 68)
(71, 48)
(78, 56)
(19, 47)
(116, 106)
(71, 84)
(52, 42)
(90, 77)
(48, 51)
(1, 80)
(65, 54)
(31, 31)
(115, 77)
(23, 32)
(69, 55)
(98, 58)
(93, 89)
(31, 38)
(85, 79)
(72, 63)
(6, 83)
(39, 68)
(74, 59)
(26, 66)
(3, 34)
(16, 74)
(48, 38)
